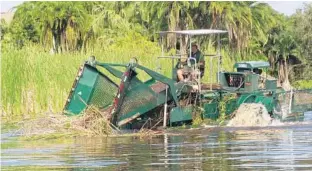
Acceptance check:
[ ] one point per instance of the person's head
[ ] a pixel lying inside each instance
(194, 47)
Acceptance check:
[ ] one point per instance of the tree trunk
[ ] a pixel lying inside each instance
(272, 61)
(54, 48)
(283, 75)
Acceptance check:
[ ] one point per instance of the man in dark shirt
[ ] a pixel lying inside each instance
(196, 53)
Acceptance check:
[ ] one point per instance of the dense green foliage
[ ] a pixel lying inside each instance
(46, 41)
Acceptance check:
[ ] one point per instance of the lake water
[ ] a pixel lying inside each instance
(284, 147)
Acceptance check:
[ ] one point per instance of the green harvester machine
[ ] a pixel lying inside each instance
(131, 103)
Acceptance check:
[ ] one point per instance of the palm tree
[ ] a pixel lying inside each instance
(280, 46)
(61, 25)
(175, 15)
(286, 46)
(245, 22)
(237, 19)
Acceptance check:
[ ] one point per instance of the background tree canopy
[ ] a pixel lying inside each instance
(254, 28)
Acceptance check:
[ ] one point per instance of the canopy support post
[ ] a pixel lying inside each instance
(165, 108)
(219, 58)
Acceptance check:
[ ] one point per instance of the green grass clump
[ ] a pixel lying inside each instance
(303, 84)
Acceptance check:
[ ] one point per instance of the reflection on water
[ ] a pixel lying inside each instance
(287, 147)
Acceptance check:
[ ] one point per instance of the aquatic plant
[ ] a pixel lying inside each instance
(222, 108)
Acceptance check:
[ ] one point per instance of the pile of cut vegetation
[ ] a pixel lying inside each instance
(251, 114)
(92, 122)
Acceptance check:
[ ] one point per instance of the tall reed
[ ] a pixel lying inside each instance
(35, 81)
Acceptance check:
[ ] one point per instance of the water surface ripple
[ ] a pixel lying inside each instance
(284, 147)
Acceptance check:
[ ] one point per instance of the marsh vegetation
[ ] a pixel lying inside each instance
(44, 44)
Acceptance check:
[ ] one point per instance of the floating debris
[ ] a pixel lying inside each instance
(92, 122)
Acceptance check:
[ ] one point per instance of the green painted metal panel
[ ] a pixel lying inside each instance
(113, 71)
(251, 82)
(82, 91)
(230, 106)
(222, 80)
(131, 112)
(271, 84)
(174, 75)
(163, 79)
(238, 80)
(252, 64)
(246, 98)
(104, 91)
(140, 98)
(150, 82)
(181, 114)
(211, 110)
(91, 87)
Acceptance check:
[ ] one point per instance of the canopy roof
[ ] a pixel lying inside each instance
(252, 64)
(194, 32)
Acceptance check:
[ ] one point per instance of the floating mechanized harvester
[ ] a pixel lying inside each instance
(131, 102)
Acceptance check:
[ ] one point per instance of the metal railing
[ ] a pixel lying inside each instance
(181, 56)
